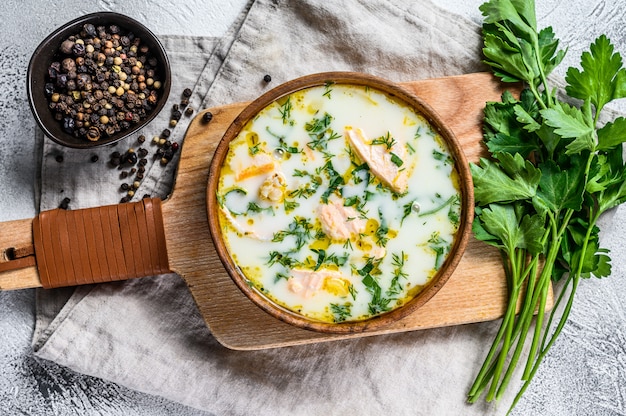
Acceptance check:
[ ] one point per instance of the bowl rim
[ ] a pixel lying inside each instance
(421, 107)
(38, 102)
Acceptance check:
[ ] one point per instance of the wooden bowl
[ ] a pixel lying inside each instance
(48, 52)
(434, 284)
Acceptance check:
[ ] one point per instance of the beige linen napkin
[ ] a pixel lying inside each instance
(146, 334)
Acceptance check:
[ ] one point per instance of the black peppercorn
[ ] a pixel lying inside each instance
(65, 203)
(188, 111)
(59, 158)
(166, 133)
(130, 158)
(94, 158)
(141, 138)
(90, 30)
(208, 116)
(124, 187)
(187, 92)
(267, 78)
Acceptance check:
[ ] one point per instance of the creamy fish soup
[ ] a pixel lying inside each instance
(338, 202)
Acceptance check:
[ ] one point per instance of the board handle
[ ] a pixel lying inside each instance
(84, 246)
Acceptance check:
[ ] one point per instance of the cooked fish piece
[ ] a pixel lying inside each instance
(340, 222)
(387, 163)
(306, 282)
(260, 164)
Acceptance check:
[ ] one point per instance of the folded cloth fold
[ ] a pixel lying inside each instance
(146, 334)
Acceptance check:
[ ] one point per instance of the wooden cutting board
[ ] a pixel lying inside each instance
(476, 291)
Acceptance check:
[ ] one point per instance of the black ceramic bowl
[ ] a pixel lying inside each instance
(48, 52)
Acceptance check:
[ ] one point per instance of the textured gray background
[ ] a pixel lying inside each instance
(584, 375)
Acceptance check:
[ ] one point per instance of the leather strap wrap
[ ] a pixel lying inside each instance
(102, 244)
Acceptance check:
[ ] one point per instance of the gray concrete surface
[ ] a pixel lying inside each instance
(585, 374)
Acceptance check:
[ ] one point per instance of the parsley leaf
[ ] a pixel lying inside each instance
(493, 184)
(602, 79)
(570, 122)
(612, 134)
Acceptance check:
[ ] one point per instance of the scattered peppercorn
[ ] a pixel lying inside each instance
(267, 78)
(59, 158)
(141, 138)
(187, 92)
(94, 158)
(166, 133)
(130, 157)
(188, 111)
(123, 175)
(125, 199)
(207, 117)
(184, 102)
(65, 203)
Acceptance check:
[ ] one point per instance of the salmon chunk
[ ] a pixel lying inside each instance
(340, 222)
(387, 163)
(306, 282)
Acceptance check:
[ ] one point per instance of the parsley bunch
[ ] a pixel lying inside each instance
(554, 169)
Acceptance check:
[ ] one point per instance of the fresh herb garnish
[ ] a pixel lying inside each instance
(320, 133)
(335, 180)
(341, 312)
(396, 160)
(284, 259)
(329, 259)
(397, 261)
(299, 229)
(378, 304)
(285, 111)
(440, 247)
(554, 170)
(385, 140)
(382, 231)
(452, 201)
(328, 89)
(290, 205)
(254, 207)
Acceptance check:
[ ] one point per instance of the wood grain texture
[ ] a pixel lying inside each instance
(475, 292)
